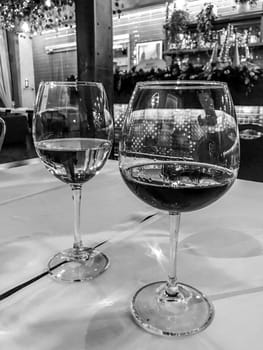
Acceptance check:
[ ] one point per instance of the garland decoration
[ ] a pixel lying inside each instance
(117, 8)
(35, 16)
(243, 76)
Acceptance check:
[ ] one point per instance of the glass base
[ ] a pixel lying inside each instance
(73, 265)
(186, 312)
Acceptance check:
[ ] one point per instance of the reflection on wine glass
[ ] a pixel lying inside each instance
(179, 152)
(73, 136)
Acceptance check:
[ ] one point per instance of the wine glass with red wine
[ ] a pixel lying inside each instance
(73, 137)
(179, 152)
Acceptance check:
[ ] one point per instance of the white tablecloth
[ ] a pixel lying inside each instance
(220, 252)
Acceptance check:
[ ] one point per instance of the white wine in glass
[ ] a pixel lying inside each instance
(73, 137)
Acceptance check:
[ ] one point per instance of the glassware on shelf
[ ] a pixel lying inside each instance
(179, 152)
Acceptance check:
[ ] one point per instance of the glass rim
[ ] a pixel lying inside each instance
(71, 83)
(178, 83)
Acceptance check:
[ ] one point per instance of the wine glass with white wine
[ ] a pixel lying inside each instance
(73, 137)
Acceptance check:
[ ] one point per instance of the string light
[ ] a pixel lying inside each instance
(25, 27)
(38, 14)
(41, 14)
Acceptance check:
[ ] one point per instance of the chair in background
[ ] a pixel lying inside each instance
(2, 132)
(17, 144)
(251, 152)
(16, 129)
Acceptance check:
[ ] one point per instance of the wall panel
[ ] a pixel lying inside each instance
(51, 60)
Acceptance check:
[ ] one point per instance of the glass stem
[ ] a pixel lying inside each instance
(76, 195)
(171, 288)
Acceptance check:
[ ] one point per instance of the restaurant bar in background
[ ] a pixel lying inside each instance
(181, 39)
(127, 41)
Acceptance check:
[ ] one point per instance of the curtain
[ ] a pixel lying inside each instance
(5, 73)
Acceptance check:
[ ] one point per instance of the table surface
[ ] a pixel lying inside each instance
(220, 253)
